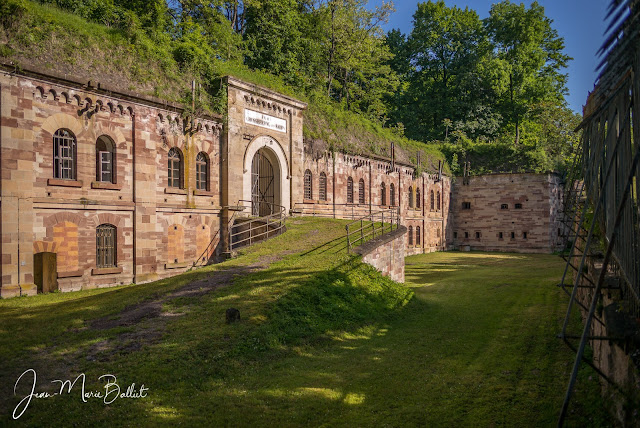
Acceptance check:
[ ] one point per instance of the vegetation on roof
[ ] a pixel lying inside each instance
(472, 89)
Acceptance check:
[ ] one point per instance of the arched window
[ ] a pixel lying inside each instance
(308, 189)
(106, 246)
(392, 195)
(410, 235)
(361, 191)
(438, 201)
(323, 187)
(432, 200)
(175, 168)
(105, 159)
(202, 171)
(349, 190)
(383, 194)
(410, 196)
(417, 235)
(64, 155)
(417, 197)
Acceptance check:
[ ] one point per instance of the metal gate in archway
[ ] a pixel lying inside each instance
(262, 185)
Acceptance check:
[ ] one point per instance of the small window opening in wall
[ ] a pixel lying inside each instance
(477, 235)
(175, 260)
(202, 227)
(455, 235)
(175, 227)
(466, 205)
(504, 206)
(466, 235)
(518, 206)
(524, 235)
(500, 235)
(513, 235)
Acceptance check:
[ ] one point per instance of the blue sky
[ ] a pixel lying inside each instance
(579, 22)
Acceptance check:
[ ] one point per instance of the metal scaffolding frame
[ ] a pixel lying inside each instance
(601, 209)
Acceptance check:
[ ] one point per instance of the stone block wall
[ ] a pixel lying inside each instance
(386, 254)
(427, 224)
(508, 212)
(44, 213)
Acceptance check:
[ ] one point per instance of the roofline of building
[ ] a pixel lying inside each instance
(74, 82)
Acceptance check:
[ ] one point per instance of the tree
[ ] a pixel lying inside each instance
(530, 51)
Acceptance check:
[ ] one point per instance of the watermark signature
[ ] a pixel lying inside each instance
(109, 393)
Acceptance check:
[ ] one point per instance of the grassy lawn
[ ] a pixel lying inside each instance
(324, 340)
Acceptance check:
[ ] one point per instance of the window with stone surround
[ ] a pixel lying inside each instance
(410, 235)
(361, 195)
(410, 197)
(418, 198)
(466, 205)
(308, 185)
(323, 187)
(432, 198)
(349, 190)
(106, 246)
(417, 235)
(202, 171)
(513, 235)
(175, 168)
(64, 155)
(518, 206)
(504, 206)
(455, 235)
(392, 195)
(466, 235)
(105, 160)
(500, 235)
(478, 234)
(383, 194)
(438, 201)
(524, 235)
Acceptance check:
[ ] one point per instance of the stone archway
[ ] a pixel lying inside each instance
(266, 176)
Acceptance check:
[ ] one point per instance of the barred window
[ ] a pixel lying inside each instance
(105, 159)
(438, 201)
(392, 194)
(417, 235)
(323, 187)
(361, 195)
(410, 235)
(202, 171)
(417, 197)
(383, 194)
(175, 168)
(410, 197)
(349, 190)
(308, 189)
(432, 197)
(106, 246)
(64, 155)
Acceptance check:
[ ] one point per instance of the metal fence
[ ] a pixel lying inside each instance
(371, 225)
(253, 229)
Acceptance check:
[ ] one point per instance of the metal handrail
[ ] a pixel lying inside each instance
(203, 259)
(368, 226)
(331, 210)
(273, 224)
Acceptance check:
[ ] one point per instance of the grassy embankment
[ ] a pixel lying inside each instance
(49, 39)
(323, 340)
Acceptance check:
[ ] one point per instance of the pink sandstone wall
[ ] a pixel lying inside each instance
(386, 254)
(486, 208)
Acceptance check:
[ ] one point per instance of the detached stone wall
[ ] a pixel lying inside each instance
(386, 254)
(508, 212)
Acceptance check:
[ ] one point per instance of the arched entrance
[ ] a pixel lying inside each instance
(266, 180)
(263, 184)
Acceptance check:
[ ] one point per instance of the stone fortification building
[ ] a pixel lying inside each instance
(123, 188)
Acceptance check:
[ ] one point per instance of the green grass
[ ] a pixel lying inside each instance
(324, 340)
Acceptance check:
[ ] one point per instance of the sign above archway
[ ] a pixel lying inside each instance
(265, 120)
